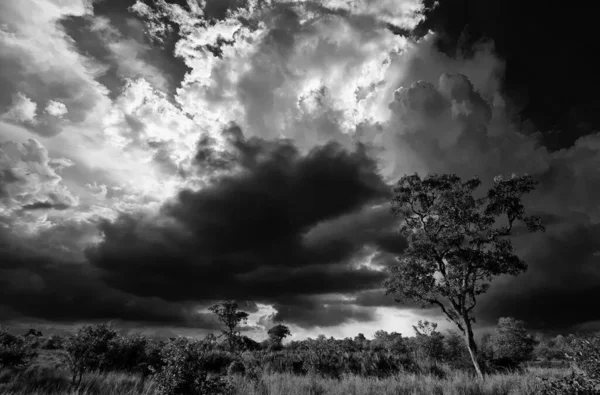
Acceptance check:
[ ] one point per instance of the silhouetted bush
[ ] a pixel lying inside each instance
(15, 352)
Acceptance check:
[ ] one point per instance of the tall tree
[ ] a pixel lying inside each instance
(457, 243)
(230, 316)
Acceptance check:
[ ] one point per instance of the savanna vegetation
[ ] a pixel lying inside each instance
(457, 243)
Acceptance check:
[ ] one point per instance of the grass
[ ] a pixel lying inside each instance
(407, 384)
(48, 376)
(50, 382)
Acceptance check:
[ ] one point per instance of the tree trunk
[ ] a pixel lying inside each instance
(472, 347)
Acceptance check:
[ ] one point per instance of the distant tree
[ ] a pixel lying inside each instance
(277, 334)
(425, 328)
(33, 333)
(428, 341)
(510, 343)
(389, 341)
(457, 243)
(15, 352)
(230, 316)
(548, 348)
(53, 342)
(249, 344)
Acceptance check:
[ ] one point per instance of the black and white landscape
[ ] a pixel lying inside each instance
(158, 157)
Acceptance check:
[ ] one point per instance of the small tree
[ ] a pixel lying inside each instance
(429, 342)
(277, 334)
(510, 343)
(15, 353)
(229, 314)
(455, 244)
(89, 349)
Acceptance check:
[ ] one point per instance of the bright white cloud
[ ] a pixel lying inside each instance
(22, 110)
(56, 108)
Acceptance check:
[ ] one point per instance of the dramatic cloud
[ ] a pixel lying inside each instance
(125, 193)
(30, 281)
(40, 69)
(546, 70)
(243, 236)
(30, 182)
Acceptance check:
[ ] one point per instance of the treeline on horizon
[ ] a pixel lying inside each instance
(181, 365)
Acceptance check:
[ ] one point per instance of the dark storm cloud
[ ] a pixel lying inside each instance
(243, 236)
(46, 287)
(561, 286)
(308, 312)
(45, 205)
(548, 48)
(449, 128)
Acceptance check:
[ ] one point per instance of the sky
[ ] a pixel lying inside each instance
(159, 155)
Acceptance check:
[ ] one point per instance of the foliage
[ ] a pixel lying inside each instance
(456, 242)
(135, 354)
(54, 342)
(185, 369)
(511, 344)
(585, 353)
(550, 348)
(277, 334)
(89, 348)
(15, 352)
(230, 316)
(334, 366)
(429, 342)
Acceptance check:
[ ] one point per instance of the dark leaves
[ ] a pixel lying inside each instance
(457, 241)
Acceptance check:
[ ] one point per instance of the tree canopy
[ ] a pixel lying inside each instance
(457, 242)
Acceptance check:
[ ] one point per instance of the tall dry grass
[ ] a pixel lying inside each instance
(456, 383)
(56, 381)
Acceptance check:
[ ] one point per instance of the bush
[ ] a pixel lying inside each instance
(90, 349)
(236, 368)
(54, 342)
(510, 344)
(585, 353)
(15, 352)
(185, 370)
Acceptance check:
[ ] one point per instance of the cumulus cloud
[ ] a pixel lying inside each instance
(56, 108)
(38, 63)
(22, 109)
(242, 236)
(138, 185)
(30, 181)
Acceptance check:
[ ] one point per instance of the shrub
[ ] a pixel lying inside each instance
(510, 344)
(15, 352)
(185, 370)
(89, 349)
(585, 353)
(236, 368)
(129, 354)
(54, 342)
